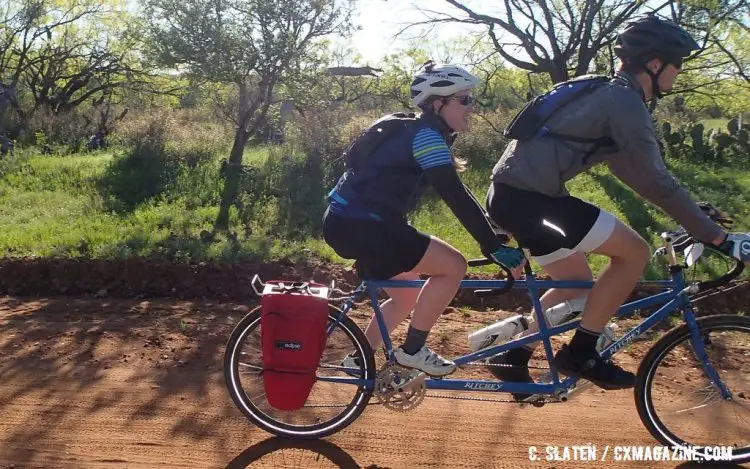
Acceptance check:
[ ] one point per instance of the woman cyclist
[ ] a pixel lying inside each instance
(366, 216)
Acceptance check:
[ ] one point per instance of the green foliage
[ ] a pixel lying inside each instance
(707, 146)
(53, 205)
(141, 173)
(484, 145)
(168, 159)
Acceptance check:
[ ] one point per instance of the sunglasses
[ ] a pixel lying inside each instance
(464, 100)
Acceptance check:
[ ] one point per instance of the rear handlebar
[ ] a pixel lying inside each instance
(509, 282)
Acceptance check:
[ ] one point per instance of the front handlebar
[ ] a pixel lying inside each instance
(669, 237)
(738, 268)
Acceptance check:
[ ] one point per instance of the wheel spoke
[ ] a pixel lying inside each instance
(329, 407)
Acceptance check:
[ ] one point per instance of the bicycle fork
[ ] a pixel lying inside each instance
(700, 352)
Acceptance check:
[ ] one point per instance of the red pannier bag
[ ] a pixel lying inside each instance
(294, 319)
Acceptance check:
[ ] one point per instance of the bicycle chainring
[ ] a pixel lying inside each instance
(400, 389)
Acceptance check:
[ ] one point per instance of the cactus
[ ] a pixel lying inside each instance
(696, 133)
(723, 141)
(733, 126)
(742, 136)
(666, 128)
(674, 138)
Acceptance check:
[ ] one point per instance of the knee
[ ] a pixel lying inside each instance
(457, 266)
(642, 253)
(638, 253)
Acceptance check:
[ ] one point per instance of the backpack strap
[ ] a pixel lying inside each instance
(531, 121)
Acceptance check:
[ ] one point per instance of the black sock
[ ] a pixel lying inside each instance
(415, 340)
(519, 356)
(584, 341)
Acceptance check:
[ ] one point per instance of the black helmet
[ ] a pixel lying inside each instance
(651, 37)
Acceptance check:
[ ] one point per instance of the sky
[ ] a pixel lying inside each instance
(381, 20)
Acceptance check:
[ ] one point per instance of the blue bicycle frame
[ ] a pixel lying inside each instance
(673, 298)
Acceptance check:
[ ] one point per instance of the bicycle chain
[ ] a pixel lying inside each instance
(500, 365)
(537, 403)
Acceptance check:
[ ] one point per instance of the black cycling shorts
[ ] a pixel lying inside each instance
(382, 249)
(551, 228)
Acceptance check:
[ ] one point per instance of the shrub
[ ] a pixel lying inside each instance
(164, 159)
(484, 144)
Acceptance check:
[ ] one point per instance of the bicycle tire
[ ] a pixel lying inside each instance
(261, 419)
(647, 371)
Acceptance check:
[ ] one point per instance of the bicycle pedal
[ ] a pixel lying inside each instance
(580, 385)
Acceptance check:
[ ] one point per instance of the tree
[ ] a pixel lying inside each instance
(57, 55)
(71, 69)
(25, 25)
(561, 38)
(249, 44)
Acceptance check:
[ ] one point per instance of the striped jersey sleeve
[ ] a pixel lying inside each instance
(430, 149)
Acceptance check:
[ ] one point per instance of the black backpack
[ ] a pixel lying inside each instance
(372, 137)
(531, 121)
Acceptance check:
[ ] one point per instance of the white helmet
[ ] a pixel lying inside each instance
(440, 80)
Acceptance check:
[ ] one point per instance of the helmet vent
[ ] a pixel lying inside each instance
(442, 83)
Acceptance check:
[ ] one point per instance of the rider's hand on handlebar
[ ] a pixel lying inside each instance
(508, 257)
(737, 245)
(682, 241)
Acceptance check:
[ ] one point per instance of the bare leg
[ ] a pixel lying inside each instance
(628, 254)
(395, 309)
(446, 268)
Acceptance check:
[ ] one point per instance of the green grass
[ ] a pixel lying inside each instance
(56, 206)
(53, 206)
(255, 155)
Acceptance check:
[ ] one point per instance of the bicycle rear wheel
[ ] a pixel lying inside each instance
(680, 405)
(329, 408)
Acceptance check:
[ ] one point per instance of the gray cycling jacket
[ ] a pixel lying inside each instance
(616, 110)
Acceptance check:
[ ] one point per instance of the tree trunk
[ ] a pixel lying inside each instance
(558, 71)
(231, 179)
(234, 165)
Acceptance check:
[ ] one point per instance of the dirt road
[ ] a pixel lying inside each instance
(89, 383)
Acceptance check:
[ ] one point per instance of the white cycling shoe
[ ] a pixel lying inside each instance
(426, 361)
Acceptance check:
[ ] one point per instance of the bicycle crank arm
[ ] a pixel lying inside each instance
(414, 384)
(580, 385)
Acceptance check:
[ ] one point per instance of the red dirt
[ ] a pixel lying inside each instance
(115, 382)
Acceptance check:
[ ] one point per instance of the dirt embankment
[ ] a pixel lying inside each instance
(224, 281)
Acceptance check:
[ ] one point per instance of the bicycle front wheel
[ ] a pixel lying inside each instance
(330, 407)
(682, 407)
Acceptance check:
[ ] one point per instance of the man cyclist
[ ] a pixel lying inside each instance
(366, 216)
(529, 199)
